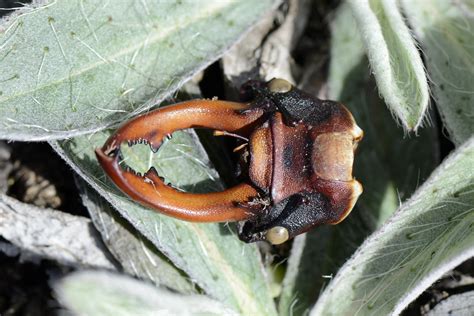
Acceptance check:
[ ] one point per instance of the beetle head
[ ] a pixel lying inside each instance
(301, 158)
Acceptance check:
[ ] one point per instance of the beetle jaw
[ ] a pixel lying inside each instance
(149, 189)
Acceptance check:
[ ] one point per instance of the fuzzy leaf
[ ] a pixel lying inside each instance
(395, 61)
(226, 268)
(101, 293)
(72, 67)
(138, 256)
(429, 235)
(51, 234)
(389, 166)
(458, 304)
(444, 30)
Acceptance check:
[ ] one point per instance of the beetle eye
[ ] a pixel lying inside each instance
(278, 85)
(277, 235)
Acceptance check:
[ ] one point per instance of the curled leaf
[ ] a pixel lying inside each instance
(394, 58)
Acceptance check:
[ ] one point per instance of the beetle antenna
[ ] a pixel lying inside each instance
(240, 147)
(225, 133)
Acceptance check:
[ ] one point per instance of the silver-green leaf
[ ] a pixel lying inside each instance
(458, 304)
(51, 234)
(445, 32)
(137, 256)
(394, 58)
(102, 293)
(73, 67)
(429, 235)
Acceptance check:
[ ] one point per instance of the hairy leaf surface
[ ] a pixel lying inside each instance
(73, 67)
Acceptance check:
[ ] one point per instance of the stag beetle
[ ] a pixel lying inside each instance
(300, 157)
